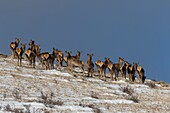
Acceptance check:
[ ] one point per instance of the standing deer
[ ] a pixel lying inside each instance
(72, 62)
(14, 45)
(90, 65)
(58, 56)
(34, 48)
(77, 56)
(110, 67)
(19, 52)
(141, 73)
(45, 59)
(114, 68)
(123, 70)
(131, 71)
(101, 67)
(32, 52)
(31, 57)
(117, 67)
(31, 44)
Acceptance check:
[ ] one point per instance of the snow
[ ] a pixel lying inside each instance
(76, 93)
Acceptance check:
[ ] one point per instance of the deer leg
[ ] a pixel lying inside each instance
(83, 70)
(21, 61)
(91, 72)
(105, 74)
(88, 70)
(111, 74)
(33, 62)
(18, 61)
(116, 75)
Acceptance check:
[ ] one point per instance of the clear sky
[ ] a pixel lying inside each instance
(137, 30)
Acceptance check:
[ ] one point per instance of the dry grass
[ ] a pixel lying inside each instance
(151, 84)
(126, 89)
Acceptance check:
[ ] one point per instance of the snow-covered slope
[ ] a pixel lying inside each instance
(23, 89)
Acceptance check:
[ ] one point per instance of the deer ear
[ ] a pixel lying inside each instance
(87, 54)
(92, 54)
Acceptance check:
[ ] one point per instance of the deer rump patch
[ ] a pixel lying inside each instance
(65, 59)
(13, 45)
(99, 63)
(28, 52)
(46, 56)
(110, 66)
(139, 68)
(60, 54)
(18, 51)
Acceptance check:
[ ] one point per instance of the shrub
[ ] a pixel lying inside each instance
(133, 98)
(151, 84)
(48, 101)
(127, 89)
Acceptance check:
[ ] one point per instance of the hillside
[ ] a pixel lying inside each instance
(27, 90)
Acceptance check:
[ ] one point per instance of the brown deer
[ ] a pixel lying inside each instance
(13, 46)
(19, 52)
(77, 56)
(131, 71)
(32, 52)
(72, 62)
(110, 67)
(31, 44)
(123, 70)
(31, 57)
(114, 68)
(90, 65)
(101, 67)
(34, 48)
(58, 56)
(141, 72)
(117, 67)
(45, 59)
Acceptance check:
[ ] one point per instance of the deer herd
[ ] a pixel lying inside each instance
(34, 51)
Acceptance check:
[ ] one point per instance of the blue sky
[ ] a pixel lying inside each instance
(137, 30)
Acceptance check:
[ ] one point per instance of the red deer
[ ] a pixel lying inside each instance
(114, 68)
(34, 48)
(31, 44)
(31, 57)
(45, 58)
(19, 52)
(131, 71)
(118, 66)
(14, 45)
(90, 65)
(72, 62)
(58, 56)
(77, 56)
(101, 67)
(110, 67)
(123, 70)
(32, 52)
(141, 73)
